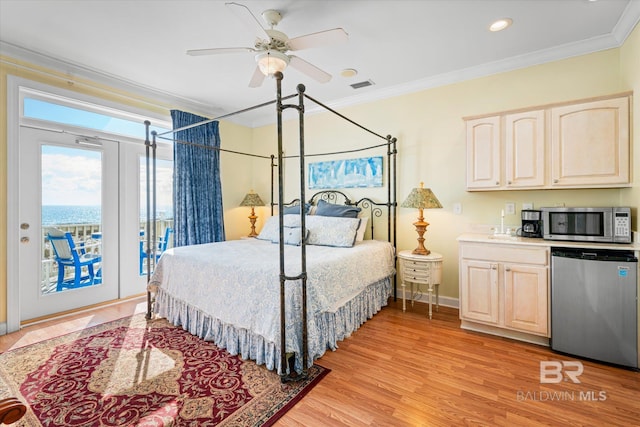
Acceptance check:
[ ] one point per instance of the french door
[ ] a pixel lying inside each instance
(93, 189)
(66, 184)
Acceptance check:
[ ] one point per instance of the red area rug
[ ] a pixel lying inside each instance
(134, 372)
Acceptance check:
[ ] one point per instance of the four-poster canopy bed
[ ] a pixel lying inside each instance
(298, 297)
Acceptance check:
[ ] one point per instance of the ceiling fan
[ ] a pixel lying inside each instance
(271, 46)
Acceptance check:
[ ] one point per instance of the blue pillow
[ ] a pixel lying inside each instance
(329, 209)
(295, 210)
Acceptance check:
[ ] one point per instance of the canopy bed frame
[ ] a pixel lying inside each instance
(288, 366)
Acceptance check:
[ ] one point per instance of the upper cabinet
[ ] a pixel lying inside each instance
(483, 153)
(590, 144)
(578, 145)
(524, 149)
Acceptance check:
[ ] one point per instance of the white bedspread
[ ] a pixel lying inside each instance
(237, 283)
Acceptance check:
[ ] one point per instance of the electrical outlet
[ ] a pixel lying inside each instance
(457, 208)
(527, 206)
(510, 209)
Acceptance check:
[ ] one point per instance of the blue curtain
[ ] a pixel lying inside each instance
(198, 213)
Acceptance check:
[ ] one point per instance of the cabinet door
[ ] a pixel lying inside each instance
(524, 149)
(590, 144)
(479, 291)
(526, 294)
(483, 153)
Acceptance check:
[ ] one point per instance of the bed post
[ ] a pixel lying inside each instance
(147, 146)
(288, 360)
(303, 248)
(283, 339)
(393, 205)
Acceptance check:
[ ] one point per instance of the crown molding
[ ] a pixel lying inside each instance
(72, 69)
(566, 51)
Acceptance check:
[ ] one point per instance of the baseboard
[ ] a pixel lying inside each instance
(424, 298)
(506, 333)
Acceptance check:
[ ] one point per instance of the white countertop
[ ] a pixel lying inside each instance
(514, 240)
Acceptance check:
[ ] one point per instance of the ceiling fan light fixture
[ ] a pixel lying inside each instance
(272, 61)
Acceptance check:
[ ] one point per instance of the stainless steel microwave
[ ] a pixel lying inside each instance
(607, 225)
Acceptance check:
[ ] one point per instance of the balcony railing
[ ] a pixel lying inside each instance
(82, 234)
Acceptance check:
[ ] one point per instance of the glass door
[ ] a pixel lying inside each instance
(68, 214)
(133, 223)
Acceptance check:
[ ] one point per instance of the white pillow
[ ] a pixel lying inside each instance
(292, 236)
(271, 226)
(331, 230)
(362, 229)
(270, 229)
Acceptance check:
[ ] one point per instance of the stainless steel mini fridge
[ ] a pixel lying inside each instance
(594, 304)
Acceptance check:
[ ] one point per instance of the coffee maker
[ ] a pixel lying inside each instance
(531, 223)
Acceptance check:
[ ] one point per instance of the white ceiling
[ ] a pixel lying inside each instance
(401, 45)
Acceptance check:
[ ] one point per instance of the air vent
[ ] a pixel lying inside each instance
(362, 84)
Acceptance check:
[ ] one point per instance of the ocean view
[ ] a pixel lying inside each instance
(59, 215)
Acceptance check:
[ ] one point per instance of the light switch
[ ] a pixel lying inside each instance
(510, 208)
(457, 208)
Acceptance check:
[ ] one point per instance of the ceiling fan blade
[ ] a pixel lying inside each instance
(323, 38)
(309, 69)
(257, 78)
(243, 13)
(219, 50)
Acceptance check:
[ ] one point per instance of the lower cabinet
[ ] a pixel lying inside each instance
(505, 286)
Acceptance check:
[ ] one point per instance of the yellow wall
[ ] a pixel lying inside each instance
(431, 142)
(235, 183)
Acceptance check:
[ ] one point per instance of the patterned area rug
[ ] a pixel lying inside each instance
(134, 372)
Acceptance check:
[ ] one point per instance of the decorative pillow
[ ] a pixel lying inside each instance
(362, 229)
(270, 229)
(329, 209)
(331, 231)
(292, 236)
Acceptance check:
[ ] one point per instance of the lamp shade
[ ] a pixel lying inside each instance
(252, 199)
(271, 62)
(421, 198)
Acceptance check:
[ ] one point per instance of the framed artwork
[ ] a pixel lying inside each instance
(351, 173)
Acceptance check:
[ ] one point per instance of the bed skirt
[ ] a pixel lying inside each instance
(324, 329)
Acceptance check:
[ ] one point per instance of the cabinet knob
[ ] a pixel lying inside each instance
(509, 182)
(555, 181)
(497, 182)
(508, 268)
(494, 267)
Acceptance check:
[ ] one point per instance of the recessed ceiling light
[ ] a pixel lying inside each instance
(501, 24)
(348, 72)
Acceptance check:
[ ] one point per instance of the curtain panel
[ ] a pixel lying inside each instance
(198, 216)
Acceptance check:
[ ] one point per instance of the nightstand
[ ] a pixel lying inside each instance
(420, 270)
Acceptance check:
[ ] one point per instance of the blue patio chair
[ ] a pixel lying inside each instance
(68, 255)
(161, 246)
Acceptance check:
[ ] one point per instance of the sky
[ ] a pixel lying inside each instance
(72, 176)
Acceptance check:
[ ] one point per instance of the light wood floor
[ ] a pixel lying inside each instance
(400, 369)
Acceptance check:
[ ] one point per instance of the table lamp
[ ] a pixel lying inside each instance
(253, 200)
(421, 198)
